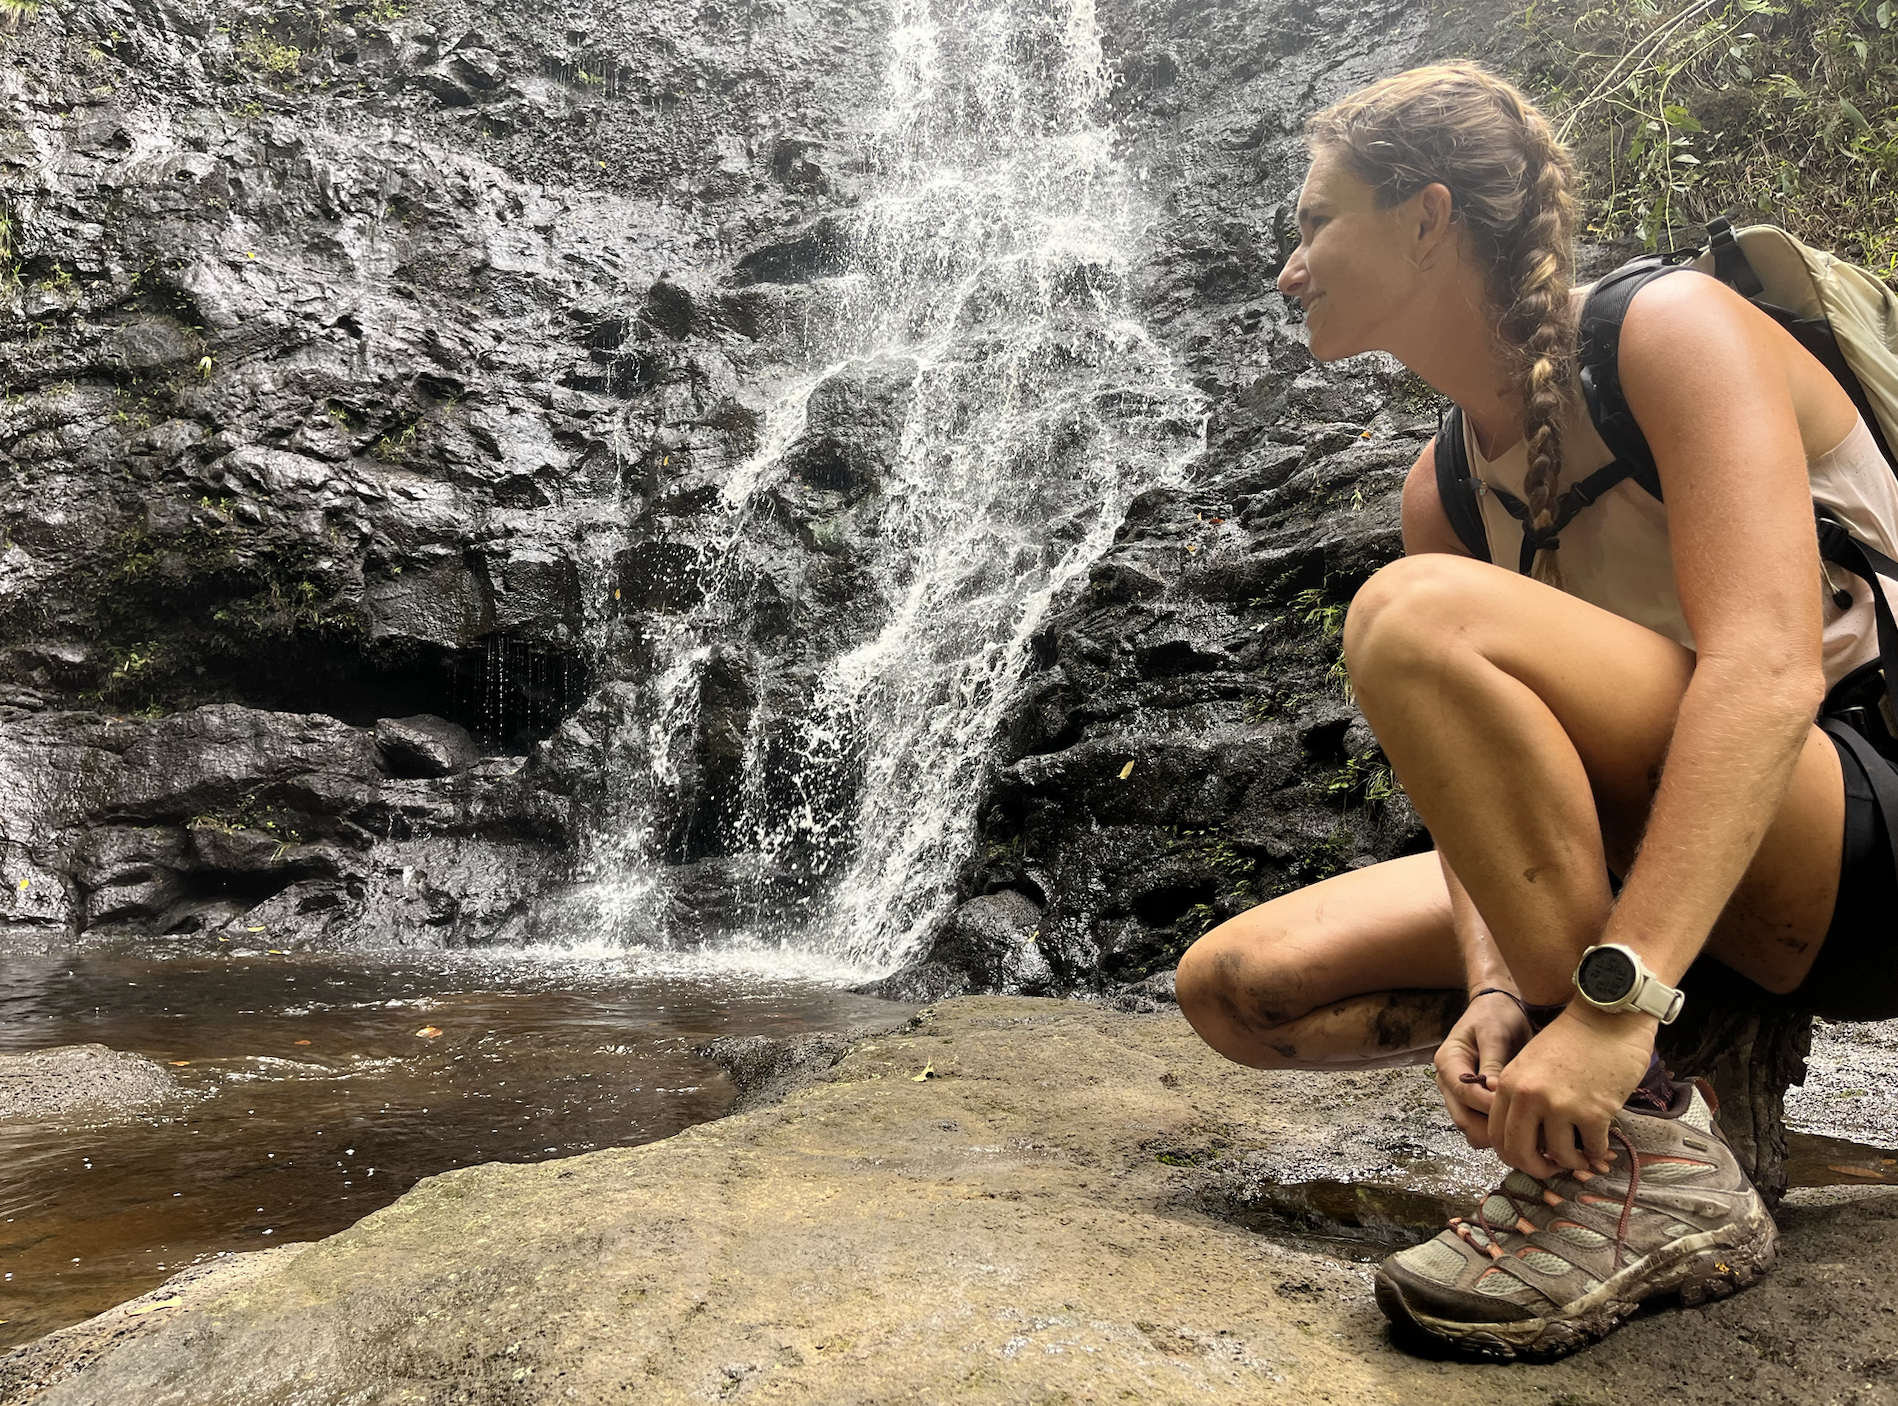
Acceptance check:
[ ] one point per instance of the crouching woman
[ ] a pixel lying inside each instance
(1638, 705)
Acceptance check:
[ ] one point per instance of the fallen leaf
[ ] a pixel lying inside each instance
(276, 952)
(929, 1072)
(429, 1032)
(1031, 937)
(1365, 435)
(1192, 547)
(302, 1042)
(1127, 771)
(153, 1307)
(258, 928)
(181, 1063)
(1857, 1171)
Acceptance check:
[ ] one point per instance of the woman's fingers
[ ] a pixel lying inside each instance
(1515, 1126)
(1471, 1121)
(1595, 1144)
(1562, 1141)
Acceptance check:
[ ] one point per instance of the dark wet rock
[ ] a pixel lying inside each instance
(80, 1081)
(424, 745)
(993, 943)
(397, 363)
(342, 352)
(270, 828)
(767, 1069)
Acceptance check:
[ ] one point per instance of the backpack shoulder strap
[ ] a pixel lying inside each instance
(1456, 488)
(1600, 367)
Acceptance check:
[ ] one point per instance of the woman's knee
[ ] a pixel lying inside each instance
(1230, 978)
(1411, 611)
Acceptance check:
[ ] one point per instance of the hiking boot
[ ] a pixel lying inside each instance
(1546, 1267)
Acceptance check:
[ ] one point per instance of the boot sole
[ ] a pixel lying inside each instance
(1712, 1265)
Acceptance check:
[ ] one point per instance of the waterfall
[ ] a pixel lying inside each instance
(983, 294)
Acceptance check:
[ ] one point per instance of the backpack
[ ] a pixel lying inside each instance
(1842, 314)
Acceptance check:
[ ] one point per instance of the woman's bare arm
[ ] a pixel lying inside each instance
(1727, 439)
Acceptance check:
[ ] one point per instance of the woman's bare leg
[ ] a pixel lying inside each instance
(1529, 728)
(1300, 982)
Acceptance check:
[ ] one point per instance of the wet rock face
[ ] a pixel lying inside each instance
(389, 361)
(1186, 745)
(348, 347)
(258, 829)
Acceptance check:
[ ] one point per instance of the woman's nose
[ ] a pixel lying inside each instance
(1292, 276)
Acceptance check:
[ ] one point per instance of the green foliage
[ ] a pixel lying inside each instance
(175, 609)
(260, 52)
(1764, 109)
(386, 11)
(395, 447)
(1325, 615)
(1366, 777)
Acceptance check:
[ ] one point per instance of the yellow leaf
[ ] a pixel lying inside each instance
(1127, 771)
(929, 1072)
(276, 952)
(301, 1042)
(181, 1063)
(153, 1307)
(428, 1032)
(259, 928)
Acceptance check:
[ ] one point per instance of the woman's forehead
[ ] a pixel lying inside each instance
(1329, 182)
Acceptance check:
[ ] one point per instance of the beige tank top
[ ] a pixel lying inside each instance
(1615, 554)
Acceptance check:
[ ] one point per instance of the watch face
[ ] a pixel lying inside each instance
(1607, 975)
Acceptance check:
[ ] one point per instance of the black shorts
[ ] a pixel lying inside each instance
(1855, 975)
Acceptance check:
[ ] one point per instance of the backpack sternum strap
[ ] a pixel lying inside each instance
(1572, 501)
(1457, 487)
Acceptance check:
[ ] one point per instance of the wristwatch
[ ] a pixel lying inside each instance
(1612, 977)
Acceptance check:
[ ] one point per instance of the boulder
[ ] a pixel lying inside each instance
(424, 745)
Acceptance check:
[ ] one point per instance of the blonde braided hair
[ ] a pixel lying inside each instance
(1511, 188)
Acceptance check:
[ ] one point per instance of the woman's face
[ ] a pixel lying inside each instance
(1356, 268)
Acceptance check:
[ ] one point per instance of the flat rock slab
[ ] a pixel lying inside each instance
(1046, 1217)
(80, 1080)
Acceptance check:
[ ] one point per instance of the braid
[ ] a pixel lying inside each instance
(1539, 327)
(1511, 186)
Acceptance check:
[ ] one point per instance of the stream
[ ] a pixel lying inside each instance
(307, 1098)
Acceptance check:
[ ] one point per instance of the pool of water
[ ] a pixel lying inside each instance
(316, 1089)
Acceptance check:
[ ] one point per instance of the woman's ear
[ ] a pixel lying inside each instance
(1431, 214)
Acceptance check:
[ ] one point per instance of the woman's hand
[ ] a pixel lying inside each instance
(1554, 1100)
(1472, 1057)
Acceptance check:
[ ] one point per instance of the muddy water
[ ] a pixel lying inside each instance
(309, 1096)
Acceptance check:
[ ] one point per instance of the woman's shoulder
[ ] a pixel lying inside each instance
(1691, 343)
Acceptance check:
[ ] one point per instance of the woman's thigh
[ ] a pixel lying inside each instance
(1612, 689)
(1382, 928)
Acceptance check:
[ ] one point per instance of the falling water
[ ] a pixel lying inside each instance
(987, 269)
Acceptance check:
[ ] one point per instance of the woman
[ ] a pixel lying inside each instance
(1643, 705)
